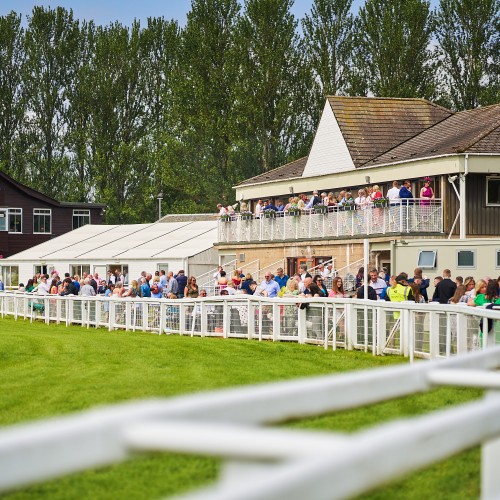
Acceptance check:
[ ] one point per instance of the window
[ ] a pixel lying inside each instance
(492, 190)
(42, 269)
(162, 267)
(42, 220)
(466, 258)
(80, 218)
(3, 220)
(10, 276)
(427, 259)
(79, 269)
(498, 258)
(15, 220)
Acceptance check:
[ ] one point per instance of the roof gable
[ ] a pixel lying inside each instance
(329, 153)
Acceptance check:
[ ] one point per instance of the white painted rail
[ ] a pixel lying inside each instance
(419, 217)
(405, 328)
(273, 463)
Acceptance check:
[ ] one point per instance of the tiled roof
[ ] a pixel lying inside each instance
(288, 171)
(475, 131)
(372, 125)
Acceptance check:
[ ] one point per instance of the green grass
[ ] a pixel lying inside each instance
(53, 370)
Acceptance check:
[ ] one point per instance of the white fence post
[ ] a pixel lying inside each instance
(490, 458)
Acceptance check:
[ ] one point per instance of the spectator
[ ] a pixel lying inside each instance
(172, 288)
(44, 287)
(460, 297)
(319, 282)
(377, 283)
(303, 272)
(181, 282)
(87, 290)
(222, 210)
(281, 278)
(245, 284)
(360, 293)
(422, 281)
(269, 287)
(400, 291)
(191, 291)
(145, 289)
(393, 194)
(337, 290)
(444, 290)
(405, 192)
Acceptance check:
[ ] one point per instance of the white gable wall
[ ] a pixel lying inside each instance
(329, 153)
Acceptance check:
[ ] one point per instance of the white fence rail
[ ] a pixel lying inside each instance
(274, 463)
(422, 216)
(405, 328)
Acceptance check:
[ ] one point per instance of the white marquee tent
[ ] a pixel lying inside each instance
(134, 248)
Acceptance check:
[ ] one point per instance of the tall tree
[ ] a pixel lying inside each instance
(12, 102)
(275, 86)
(328, 44)
(468, 32)
(392, 56)
(205, 96)
(51, 58)
(78, 117)
(119, 151)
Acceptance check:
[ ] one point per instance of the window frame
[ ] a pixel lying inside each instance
(49, 210)
(474, 259)
(488, 178)
(80, 268)
(8, 282)
(434, 261)
(79, 216)
(10, 211)
(497, 254)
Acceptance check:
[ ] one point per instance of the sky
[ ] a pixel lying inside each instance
(105, 11)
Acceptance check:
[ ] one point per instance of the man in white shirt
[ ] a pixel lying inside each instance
(44, 287)
(328, 271)
(258, 209)
(393, 194)
(376, 282)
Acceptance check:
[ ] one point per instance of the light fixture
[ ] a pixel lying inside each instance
(159, 197)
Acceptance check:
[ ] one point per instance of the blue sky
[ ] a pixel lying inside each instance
(106, 11)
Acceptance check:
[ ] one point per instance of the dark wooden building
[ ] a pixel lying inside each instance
(28, 217)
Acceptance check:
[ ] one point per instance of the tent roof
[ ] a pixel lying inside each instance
(163, 240)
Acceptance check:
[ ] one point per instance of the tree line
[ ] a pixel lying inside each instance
(116, 114)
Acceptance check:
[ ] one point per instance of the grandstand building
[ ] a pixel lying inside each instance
(364, 141)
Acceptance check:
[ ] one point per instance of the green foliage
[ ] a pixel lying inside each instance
(51, 370)
(392, 56)
(328, 44)
(116, 114)
(468, 33)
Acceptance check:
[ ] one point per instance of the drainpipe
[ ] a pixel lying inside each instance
(463, 214)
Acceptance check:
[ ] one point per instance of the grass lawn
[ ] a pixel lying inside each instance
(50, 370)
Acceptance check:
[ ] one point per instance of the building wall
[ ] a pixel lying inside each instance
(61, 220)
(405, 257)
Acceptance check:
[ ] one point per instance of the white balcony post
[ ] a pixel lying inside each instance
(251, 320)
(351, 326)
(490, 458)
(225, 319)
(381, 331)
(302, 327)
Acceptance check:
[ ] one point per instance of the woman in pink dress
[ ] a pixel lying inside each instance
(426, 193)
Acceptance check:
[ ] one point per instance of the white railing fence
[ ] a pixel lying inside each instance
(404, 328)
(272, 462)
(419, 216)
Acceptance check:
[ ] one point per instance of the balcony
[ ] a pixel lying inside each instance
(419, 217)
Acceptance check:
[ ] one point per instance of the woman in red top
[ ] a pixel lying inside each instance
(236, 278)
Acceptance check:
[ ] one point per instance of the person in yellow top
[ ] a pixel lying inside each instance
(399, 292)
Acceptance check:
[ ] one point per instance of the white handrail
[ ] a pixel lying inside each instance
(404, 328)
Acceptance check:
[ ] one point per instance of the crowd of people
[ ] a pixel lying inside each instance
(115, 284)
(366, 197)
(324, 282)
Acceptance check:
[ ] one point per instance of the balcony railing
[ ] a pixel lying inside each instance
(421, 216)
